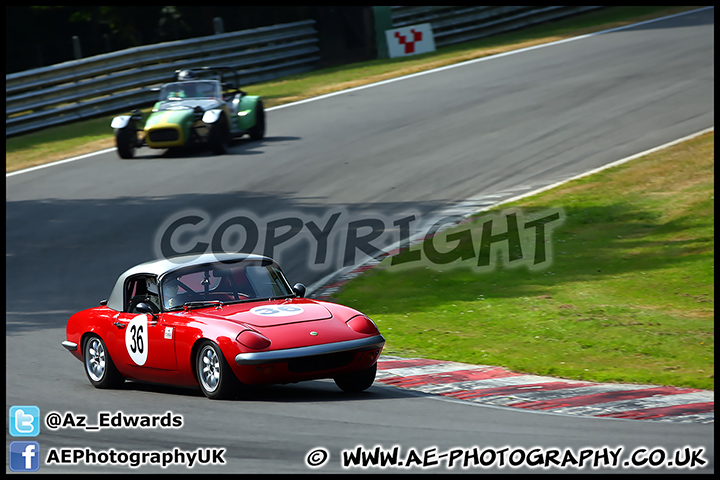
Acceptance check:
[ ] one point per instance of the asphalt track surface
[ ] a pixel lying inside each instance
(486, 129)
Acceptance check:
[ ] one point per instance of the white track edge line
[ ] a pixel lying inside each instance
(320, 283)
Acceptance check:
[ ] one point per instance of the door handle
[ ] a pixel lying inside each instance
(120, 324)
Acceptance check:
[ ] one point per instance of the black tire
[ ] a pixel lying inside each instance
(219, 136)
(357, 381)
(126, 140)
(257, 132)
(99, 367)
(217, 381)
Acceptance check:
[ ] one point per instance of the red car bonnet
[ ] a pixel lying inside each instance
(269, 314)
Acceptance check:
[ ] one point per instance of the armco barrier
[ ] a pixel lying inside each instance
(455, 24)
(122, 80)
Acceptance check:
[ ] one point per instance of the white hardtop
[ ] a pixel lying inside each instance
(162, 266)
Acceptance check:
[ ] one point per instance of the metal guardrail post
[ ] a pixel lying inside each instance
(218, 26)
(383, 21)
(77, 51)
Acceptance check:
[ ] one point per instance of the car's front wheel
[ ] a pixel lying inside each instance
(219, 136)
(126, 140)
(357, 381)
(216, 379)
(99, 367)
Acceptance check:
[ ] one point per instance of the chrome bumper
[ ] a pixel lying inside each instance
(71, 347)
(257, 358)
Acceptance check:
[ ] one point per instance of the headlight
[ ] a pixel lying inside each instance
(253, 340)
(211, 116)
(120, 122)
(362, 324)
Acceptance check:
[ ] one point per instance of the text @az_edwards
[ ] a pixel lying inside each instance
(112, 420)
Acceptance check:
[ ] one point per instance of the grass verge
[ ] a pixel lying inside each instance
(628, 295)
(56, 143)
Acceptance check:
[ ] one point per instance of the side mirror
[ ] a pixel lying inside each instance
(143, 307)
(299, 289)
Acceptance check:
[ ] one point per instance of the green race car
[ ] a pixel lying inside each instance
(202, 106)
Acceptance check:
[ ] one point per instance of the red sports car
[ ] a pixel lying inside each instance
(220, 321)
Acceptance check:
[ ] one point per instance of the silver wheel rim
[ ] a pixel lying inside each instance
(209, 369)
(95, 359)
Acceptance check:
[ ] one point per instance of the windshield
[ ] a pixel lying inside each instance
(183, 90)
(222, 282)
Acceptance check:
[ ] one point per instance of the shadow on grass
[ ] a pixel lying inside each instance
(591, 245)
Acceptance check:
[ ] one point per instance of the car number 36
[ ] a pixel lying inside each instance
(277, 311)
(136, 339)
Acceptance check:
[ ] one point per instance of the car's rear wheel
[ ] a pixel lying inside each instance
(357, 381)
(99, 367)
(126, 140)
(216, 379)
(257, 132)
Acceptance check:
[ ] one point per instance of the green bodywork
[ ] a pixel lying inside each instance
(183, 117)
(243, 120)
(203, 105)
(247, 112)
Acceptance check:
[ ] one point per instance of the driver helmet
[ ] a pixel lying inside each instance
(183, 75)
(152, 287)
(170, 290)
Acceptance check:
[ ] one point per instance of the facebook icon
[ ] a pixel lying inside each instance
(24, 456)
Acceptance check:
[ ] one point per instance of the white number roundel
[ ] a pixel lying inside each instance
(277, 311)
(136, 339)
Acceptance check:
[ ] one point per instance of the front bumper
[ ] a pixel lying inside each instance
(288, 354)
